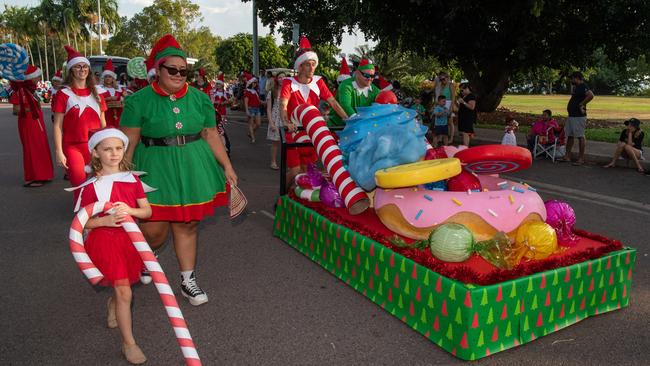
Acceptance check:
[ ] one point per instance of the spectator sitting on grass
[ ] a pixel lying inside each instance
(630, 144)
(546, 128)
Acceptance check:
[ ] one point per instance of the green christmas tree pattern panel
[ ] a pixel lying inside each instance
(468, 321)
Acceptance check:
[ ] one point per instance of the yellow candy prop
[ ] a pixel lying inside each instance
(540, 239)
(420, 172)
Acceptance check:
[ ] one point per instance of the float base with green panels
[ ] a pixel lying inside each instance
(469, 321)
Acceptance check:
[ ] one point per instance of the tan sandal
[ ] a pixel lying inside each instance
(133, 354)
(111, 317)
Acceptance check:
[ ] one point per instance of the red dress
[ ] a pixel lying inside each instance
(113, 114)
(81, 115)
(110, 248)
(37, 161)
(297, 93)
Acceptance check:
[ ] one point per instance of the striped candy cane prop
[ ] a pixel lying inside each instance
(159, 279)
(355, 198)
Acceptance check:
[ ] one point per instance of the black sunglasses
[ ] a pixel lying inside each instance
(367, 76)
(174, 71)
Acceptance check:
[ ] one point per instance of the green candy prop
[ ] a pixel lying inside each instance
(449, 242)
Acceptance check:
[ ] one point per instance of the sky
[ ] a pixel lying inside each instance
(224, 18)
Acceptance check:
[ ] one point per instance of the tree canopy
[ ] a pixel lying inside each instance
(490, 41)
(234, 54)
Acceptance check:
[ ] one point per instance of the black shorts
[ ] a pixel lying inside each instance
(441, 130)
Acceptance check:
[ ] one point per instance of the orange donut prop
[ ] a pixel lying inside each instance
(495, 159)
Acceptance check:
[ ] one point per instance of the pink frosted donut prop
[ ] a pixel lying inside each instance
(413, 212)
(495, 159)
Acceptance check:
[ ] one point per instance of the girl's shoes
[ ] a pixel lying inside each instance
(133, 354)
(111, 318)
(274, 166)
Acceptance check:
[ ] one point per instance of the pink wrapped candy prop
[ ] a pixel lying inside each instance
(166, 293)
(330, 196)
(562, 218)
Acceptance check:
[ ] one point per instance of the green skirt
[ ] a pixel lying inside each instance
(189, 181)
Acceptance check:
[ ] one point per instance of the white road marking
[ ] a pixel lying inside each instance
(267, 214)
(594, 198)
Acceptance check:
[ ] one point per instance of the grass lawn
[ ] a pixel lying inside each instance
(601, 107)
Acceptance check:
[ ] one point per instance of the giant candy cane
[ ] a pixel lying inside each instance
(160, 280)
(328, 151)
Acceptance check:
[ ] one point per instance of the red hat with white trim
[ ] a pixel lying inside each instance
(249, 79)
(220, 79)
(384, 84)
(74, 57)
(32, 72)
(344, 70)
(304, 53)
(58, 76)
(109, 70)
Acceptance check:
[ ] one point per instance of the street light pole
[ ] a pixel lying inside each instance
(99, 26)
(256, 54)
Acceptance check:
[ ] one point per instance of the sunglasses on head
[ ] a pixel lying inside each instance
(174, 71)
(367, 76)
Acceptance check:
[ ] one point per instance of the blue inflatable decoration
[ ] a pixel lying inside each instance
(13, 61)
(378, 137)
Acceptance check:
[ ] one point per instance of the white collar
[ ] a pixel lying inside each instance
(104, 185)
(361, 90)
(304, 89)
(252, 90)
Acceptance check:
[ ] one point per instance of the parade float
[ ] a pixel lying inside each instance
(474, 262)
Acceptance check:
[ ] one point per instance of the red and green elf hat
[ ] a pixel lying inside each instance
(165, 47)
(366, 65)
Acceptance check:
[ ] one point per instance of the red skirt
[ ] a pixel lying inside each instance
(112, 252)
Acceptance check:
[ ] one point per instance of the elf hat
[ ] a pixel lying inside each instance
(344, 70)
(165, 47)
(384, 84)
(366, 65)
(105, 133)
(108, 69)
(250, 79)
(220, 79)
(74, 57)
(32, 72)
(58, 76)
(304, 53)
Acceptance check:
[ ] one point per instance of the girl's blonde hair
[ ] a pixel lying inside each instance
(90, 83)
(96, 164)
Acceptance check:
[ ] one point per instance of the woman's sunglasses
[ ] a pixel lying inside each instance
(368, 76)
(174, 71)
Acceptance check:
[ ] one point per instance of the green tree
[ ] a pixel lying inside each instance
(235, 54)
(490, 41)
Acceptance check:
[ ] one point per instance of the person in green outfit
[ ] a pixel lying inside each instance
(173, 137)
(357, 91)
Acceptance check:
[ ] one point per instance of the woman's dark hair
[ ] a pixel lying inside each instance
(548, 111)
(465, 86)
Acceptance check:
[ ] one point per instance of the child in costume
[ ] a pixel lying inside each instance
(108, 244)
(509, 136)
(112, 93)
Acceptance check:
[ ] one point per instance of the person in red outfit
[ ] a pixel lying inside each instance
(112, 94)
(37, 161)
(78, 110)
(220, 100)
(201, 82)
(304, 88)
(252, 105)
(107, 244)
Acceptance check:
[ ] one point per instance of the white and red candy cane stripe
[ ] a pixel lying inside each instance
(330, 154)
(159, 279)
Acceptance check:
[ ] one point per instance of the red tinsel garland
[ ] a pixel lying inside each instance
(461, 271)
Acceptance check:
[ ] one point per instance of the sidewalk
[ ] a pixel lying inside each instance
(597, 152)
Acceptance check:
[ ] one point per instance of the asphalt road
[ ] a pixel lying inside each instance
(270, 305)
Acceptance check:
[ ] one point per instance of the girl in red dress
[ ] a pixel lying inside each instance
(78, 110)
(112, 94)
(37, 161)
(107, 244)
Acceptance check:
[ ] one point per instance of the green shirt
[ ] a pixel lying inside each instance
(350, 97)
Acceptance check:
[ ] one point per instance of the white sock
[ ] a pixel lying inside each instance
(185, 275)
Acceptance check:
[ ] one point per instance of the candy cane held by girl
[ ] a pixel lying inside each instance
(160, 280)
(328, 151)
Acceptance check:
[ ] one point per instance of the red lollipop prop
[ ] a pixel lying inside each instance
(386, 97)
(495, 159)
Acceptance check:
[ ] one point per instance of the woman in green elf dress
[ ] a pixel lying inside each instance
(173, 137)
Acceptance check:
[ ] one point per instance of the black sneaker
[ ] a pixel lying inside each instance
(193, 292)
